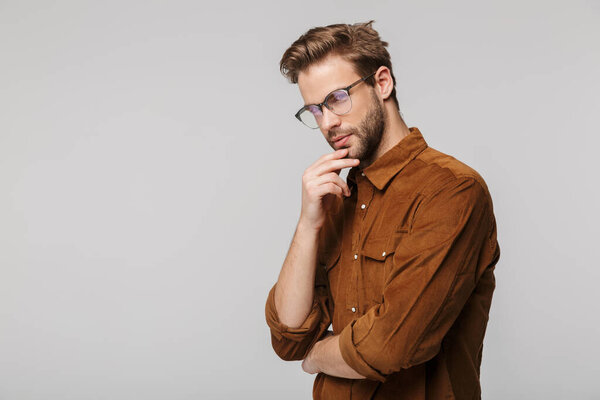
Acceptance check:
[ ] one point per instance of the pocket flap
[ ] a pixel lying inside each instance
(378, 247)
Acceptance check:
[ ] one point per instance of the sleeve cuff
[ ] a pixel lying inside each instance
(280, 330)
(353, 358)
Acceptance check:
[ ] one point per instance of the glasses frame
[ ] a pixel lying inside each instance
(324, 103)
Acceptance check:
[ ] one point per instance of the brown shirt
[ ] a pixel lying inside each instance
(405, 276)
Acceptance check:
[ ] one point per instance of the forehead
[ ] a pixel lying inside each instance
(316, 81)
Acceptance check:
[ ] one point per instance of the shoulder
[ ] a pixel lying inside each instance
(439, 171)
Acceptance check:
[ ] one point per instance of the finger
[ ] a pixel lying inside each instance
(333, 178)
(339, 153)
(328, 188)
(334, 155)
(334, 165)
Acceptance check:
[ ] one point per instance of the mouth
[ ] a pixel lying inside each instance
(341, 140)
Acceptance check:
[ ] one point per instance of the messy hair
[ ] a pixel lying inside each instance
(358, 44)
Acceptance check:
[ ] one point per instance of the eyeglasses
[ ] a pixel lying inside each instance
(338, 102)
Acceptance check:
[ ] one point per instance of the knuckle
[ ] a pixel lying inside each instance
(307, 180)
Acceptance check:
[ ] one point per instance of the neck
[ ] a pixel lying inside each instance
(396, 129)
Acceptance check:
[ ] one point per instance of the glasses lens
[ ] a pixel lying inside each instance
(339, 102)
(311, 116)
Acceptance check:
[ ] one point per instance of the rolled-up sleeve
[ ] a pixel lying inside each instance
(436, 266)
(294, 343)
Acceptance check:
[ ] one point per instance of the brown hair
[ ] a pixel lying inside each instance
(358, 43)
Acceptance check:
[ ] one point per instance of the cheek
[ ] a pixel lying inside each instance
(362, 116)
(364, 102)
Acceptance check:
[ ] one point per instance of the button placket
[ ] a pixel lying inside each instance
(365, 195)
(358, 225)
(365, 200)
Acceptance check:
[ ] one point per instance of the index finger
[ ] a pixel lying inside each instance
(335, 165)
(339, 153)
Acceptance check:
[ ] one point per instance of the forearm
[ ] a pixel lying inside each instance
(328, 359)
(294, 292)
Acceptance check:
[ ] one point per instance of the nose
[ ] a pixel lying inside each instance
(329, 120)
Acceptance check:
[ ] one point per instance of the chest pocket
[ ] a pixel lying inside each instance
(376, 266)
(378, 248)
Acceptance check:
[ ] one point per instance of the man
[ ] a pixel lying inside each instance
(400, 258)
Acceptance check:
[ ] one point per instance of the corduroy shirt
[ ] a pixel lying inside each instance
(405, 276)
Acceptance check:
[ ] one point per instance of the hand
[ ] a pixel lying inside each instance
(320, 182)
(310, 363)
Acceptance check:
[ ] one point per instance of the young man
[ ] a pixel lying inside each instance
(400, 258)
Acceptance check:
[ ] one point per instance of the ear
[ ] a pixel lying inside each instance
(384, 84)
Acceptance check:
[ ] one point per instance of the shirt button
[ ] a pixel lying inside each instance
(383, 254)
(363, 206)
(353, 309)
(362, 173)
(355, 256)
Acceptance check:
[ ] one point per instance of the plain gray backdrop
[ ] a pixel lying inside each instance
(150, 175)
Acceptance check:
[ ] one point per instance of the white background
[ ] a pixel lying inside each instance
(150, 177)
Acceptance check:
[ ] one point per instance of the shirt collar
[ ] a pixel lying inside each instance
(392, 161)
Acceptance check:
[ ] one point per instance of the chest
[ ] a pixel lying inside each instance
(374, 223)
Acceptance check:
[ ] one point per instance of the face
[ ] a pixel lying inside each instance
(365, 123)
(364, 140)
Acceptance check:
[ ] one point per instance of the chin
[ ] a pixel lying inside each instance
(353, 154)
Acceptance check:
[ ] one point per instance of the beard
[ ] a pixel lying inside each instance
(367, 136)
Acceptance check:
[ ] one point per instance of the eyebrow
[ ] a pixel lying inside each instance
(314, 104)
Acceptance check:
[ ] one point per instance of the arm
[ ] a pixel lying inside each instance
(326, 357)
(297, 305)
(296, 309)
(294, 289)
(435, 269)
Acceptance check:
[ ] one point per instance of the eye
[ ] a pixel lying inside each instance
(339, 96)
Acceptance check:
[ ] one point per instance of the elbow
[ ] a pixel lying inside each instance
(287, 349)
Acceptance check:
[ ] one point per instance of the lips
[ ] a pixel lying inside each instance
(340, 141)
(340, 138)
